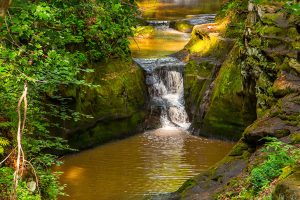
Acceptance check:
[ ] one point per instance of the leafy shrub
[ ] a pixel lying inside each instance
(3, 143)
(279, 155)
(6, 180)
(48, 45)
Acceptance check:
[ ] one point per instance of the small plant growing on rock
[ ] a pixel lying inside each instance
(279, 157)
(275, 161)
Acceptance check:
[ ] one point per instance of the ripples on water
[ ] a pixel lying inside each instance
(154, 162)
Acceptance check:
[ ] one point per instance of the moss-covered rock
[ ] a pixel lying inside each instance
(105, 130)
(197, 78)
(285, 84)
(115, 104)
(182, 26)
(261, 69)
(216, 101)
(281, 120)
(206, 185)
(295, 138)
(288, 188)
(231, 108)
(186, 25)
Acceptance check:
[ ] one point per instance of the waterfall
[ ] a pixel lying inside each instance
(165, 86)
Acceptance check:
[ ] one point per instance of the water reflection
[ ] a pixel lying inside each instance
(154, 162)
(174, 9)
(163, 43)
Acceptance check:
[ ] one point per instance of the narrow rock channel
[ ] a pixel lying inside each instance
(157, 161)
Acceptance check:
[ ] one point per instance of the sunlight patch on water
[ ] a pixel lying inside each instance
(74, 173)
(155, 162)
(163, 42)
(176, 9)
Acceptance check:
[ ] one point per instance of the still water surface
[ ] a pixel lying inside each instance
(154, 162)
(168, 41)
(164, 42)
(176, 9)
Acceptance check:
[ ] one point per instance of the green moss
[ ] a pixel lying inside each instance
(202, 69)
(105, 131)
(188, 184)
(255, 42)
(231, 109)
(286, 171)
(205, 44)
(271, 31)
(295, 138)
(182, 26)
(271, 18)
(229, 80)
(239, 149)
(236, 29)
(196, 79)
(288, 188)
(116, 101)
(120, 90)
(228, 117)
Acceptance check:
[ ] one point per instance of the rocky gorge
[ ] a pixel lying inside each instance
(242, 82)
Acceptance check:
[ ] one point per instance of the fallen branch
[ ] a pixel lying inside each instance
(7, 156)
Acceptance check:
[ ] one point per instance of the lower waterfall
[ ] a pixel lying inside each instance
(165, 86)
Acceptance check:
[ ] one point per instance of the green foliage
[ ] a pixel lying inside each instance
(232, 6)
(48, 45)
(6, 180)
(273, 162)
(293, 8)
(3, 143)
(24, 194)
(48, 185)
(235, 11)
(279, 155)
(290, 6)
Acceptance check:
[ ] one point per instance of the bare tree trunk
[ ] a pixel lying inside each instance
(20, 153)
(4, 5)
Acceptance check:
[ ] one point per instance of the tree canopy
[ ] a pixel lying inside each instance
(47, 46)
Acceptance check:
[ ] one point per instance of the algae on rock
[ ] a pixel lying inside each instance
(263, 65)
(116, 104)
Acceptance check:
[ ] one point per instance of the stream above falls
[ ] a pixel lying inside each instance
(158, 161)
(177, 9)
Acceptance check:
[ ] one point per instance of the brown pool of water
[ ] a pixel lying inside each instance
(155, 162)
(175, 9)
(164, 42)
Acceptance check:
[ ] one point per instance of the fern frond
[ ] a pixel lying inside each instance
(3, 142)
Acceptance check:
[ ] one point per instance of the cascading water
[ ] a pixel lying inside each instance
(164, 77)
(165, 84)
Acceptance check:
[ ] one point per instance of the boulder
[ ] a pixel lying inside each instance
(288, 188)
(285, 84)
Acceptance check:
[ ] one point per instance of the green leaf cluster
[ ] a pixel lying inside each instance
(3, 143)
(279, 156)
(49, 45)
(291, 6)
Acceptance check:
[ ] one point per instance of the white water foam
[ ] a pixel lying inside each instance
(165, 86)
